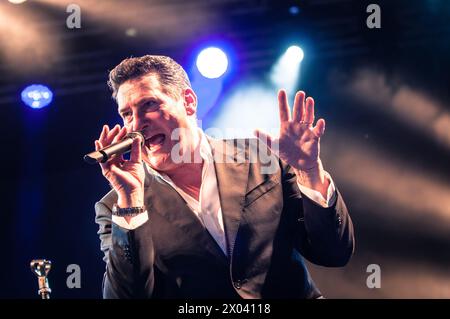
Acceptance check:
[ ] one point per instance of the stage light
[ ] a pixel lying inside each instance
(294, 10)
(17, 1)
(212, 62)
(294, 54)
(37, 96)
(285, 72)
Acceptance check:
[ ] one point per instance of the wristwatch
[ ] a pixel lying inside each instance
(127, 212)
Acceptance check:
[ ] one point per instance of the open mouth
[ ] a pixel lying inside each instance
(155, 141)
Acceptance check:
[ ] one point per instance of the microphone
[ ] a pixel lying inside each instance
(115, 149)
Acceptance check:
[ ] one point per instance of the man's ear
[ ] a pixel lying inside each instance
(190, 101)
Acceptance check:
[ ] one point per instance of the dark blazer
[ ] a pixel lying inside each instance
(269, 228)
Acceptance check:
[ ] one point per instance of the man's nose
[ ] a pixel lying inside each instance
(139, 125)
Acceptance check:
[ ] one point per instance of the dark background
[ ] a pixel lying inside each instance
(384, 93)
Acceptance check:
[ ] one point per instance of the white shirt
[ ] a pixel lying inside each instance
(207, 208)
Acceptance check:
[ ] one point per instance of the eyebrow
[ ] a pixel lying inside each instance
(145, 99)
(122, 110)
(142, 100)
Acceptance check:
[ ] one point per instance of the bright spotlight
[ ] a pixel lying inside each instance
(285, 72)
(212, 62)
(295, 54)
(37, 96)
(17, 1)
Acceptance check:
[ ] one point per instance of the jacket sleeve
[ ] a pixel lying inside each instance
(324, 236)
(129, 257)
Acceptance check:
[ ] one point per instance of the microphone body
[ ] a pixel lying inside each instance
(116, 149)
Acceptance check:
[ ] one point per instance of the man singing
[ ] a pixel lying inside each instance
(190, 216)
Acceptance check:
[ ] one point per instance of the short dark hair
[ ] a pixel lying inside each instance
(171, 75)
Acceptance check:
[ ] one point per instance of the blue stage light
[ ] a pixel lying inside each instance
(286, 70)
(212, 62)
(294, 54)
(37, 96)
(294, 10)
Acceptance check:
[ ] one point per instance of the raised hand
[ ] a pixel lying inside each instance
(298, 143)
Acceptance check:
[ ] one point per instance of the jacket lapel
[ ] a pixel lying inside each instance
(162, 199)
(232, 168)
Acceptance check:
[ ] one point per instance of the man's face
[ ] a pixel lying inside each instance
(146, 106)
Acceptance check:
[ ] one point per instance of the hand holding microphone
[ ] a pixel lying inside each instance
(115, 149)
(125, 176)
